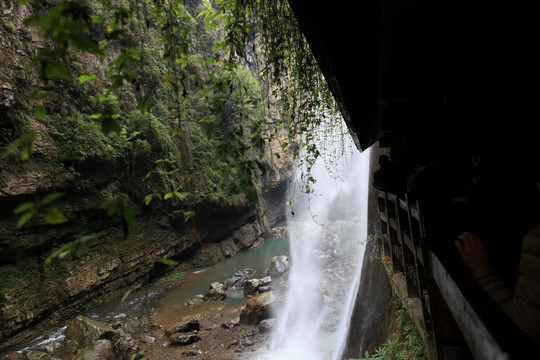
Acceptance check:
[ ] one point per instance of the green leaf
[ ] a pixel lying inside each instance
(108, 125)
(85, 78)
(111, 210)
(55, 68)
(50, 198)
(40, 113)
(54, 216)
(129, 216)
(168, 262)
(147, 199)
(24, 207)
(26, 152)
(25, 217)
(167, 195)
(136, 287)
(179, 195)
(84, 43)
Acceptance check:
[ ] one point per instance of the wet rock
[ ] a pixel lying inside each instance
(147, 339)
(247, 341)
(251, 287)
(217, 292)
(267, 325)
(247, 236)
(193, 353)
(277, 266)
(36, 355)
(229, 324)
(99, 350)
(67, 349)
(195, 301)
(16, 356)
(84, 331)
(52, 347)
(184, 339)
(279, 232)
(256, 286)
(257, 309)
(236, 281)
(126, 346)
(184, 327)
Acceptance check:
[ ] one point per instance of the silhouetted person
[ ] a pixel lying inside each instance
(435, 186)
(520, 302)
(504, 205)
(388, 178)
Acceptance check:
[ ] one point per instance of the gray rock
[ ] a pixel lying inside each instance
(184, 327)
(229, 324)
(16, 356)
(267, 325)
(84, 331)
(99, 350)
(277, 266)
(263, 289)
(52, 347)
(126, 346)
(251, 287)
(35, 355)
(257, 309)
(184, 339)
(216, 294)
(236, 281)
(193, 353)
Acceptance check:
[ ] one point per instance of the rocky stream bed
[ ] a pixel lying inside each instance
(145, 326)
(202, 327)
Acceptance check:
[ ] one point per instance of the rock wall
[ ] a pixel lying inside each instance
(373, 321)
(97, 256)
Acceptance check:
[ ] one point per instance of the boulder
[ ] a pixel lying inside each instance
(277, 266)
(126, 346)
(216, 294)
(257, 309)
(193, 353)
(236, 281)
(36, 355)
(16, 356)
(251, 287)
(184, 327)
(84, 331)
(195, 301)
(184, 339)
(267, 325)
(99, 350)
(229, 324)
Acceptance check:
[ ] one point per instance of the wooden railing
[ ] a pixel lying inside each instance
(452, 322)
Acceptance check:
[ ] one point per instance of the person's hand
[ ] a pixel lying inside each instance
(472, 252)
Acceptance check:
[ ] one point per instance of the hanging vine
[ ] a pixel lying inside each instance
(289, 80)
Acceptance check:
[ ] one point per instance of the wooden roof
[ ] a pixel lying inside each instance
(440, 71)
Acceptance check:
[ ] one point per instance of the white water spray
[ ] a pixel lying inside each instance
(327, 230)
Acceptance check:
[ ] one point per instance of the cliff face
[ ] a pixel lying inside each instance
(50, 272)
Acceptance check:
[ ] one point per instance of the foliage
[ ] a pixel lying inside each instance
(409, 346)
(291, 76)
(40, 206)
(172, 277)
(169, 95)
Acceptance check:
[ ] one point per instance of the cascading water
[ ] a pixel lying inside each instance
(327, 231)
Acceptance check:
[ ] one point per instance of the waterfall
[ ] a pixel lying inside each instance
(327, 232)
